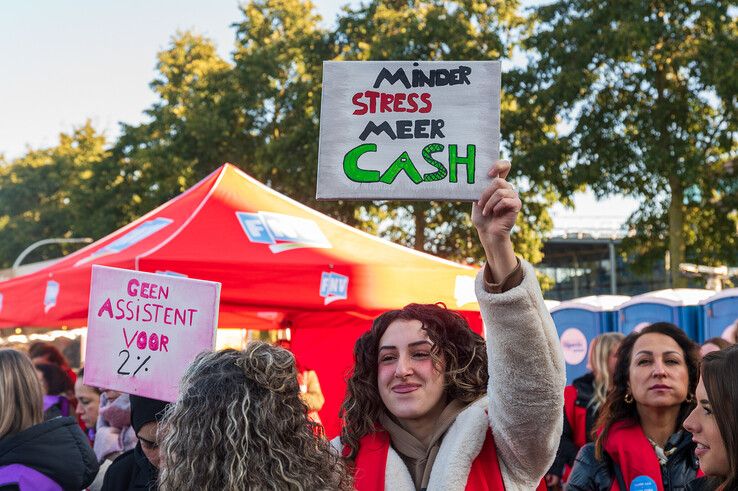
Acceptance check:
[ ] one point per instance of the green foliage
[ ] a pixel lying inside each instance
(626, 97)
(43, 194)
(646, 93)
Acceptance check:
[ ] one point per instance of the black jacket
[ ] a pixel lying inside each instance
(590, 474)
(130, 471)
(57, 448)
(567, 451)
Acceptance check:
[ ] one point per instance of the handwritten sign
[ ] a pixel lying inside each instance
(408, 130)
(144, 329)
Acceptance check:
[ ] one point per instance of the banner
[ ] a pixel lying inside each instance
(144, 329)
(408, 130)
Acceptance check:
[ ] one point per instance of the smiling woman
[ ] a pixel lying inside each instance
(714, 422)
(430, 405)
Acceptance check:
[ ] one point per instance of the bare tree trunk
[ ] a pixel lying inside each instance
(676, 232)
(419, 212)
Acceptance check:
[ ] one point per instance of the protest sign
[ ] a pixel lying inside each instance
(144, 329)
(408, 130)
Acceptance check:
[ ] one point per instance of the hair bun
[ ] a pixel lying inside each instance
(269, 367)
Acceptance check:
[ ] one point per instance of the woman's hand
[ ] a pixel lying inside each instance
(494, 217)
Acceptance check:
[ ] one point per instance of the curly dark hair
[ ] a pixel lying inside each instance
(463, 350)
(239, 423)
(616, 409)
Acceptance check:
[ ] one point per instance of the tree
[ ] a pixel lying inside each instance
(42, 193)
(437, 30)
(644, 94)
(193, 127)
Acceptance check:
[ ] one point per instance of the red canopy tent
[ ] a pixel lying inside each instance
(280, 263)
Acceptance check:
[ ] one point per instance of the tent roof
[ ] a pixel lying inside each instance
(272, 255)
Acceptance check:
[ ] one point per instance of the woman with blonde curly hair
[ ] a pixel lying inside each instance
(239, 423)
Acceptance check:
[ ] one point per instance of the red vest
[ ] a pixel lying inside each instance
(371, 460)
(577, 417)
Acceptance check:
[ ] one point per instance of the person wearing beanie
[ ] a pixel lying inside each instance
(139, 468)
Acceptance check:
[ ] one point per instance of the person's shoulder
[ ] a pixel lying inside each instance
(589, 472)
(119, 471)
(123, 458)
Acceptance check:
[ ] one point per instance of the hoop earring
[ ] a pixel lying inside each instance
(628, 398)
(690, 399)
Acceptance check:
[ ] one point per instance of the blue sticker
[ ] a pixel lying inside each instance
(51, 294)
(643, 483)
(333, 286)
(281, 232)
(134, 236)
(255, 229)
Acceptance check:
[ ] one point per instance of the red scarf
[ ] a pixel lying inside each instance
(629, 448)
(371, 461)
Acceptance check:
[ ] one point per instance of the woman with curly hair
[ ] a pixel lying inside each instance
(640, 442)
(431, 406)
(239, 423)
(714, 422)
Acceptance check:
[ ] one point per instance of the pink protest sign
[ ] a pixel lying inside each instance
(144, 329)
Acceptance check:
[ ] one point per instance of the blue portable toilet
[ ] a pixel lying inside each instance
(720, 316)
(679, 306)
(578, 322)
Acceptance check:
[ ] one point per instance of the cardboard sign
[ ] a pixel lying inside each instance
(144, 329)
(408, 130)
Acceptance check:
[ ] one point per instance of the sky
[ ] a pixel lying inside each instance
(66, 62)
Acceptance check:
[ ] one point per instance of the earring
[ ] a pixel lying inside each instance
(690, 398)
(628, 398)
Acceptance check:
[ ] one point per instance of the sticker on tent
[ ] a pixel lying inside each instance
(281, 232)
(333, 286)
(134, 236)
(574, 345)
(50, 295)
(408, 130)
(144, 329)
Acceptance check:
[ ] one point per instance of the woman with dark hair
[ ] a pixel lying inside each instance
(41, 352)
(640, 441)
(430, 405)
(88, 405)
(714, 422)
(56, 384)
(239, 423)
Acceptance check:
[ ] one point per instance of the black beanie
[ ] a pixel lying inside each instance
(145, 410)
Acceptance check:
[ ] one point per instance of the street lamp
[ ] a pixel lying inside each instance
(60, 240)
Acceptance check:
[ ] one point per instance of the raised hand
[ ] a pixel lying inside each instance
(494, 216)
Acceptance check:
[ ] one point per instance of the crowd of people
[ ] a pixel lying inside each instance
(430, 405)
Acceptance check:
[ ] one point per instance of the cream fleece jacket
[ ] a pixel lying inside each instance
(524, 403)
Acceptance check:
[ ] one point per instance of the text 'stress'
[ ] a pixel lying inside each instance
(144, 329)
(408, 130)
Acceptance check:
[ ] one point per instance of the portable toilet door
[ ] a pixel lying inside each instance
(720, 316)
(680, 306)
(578, 322)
